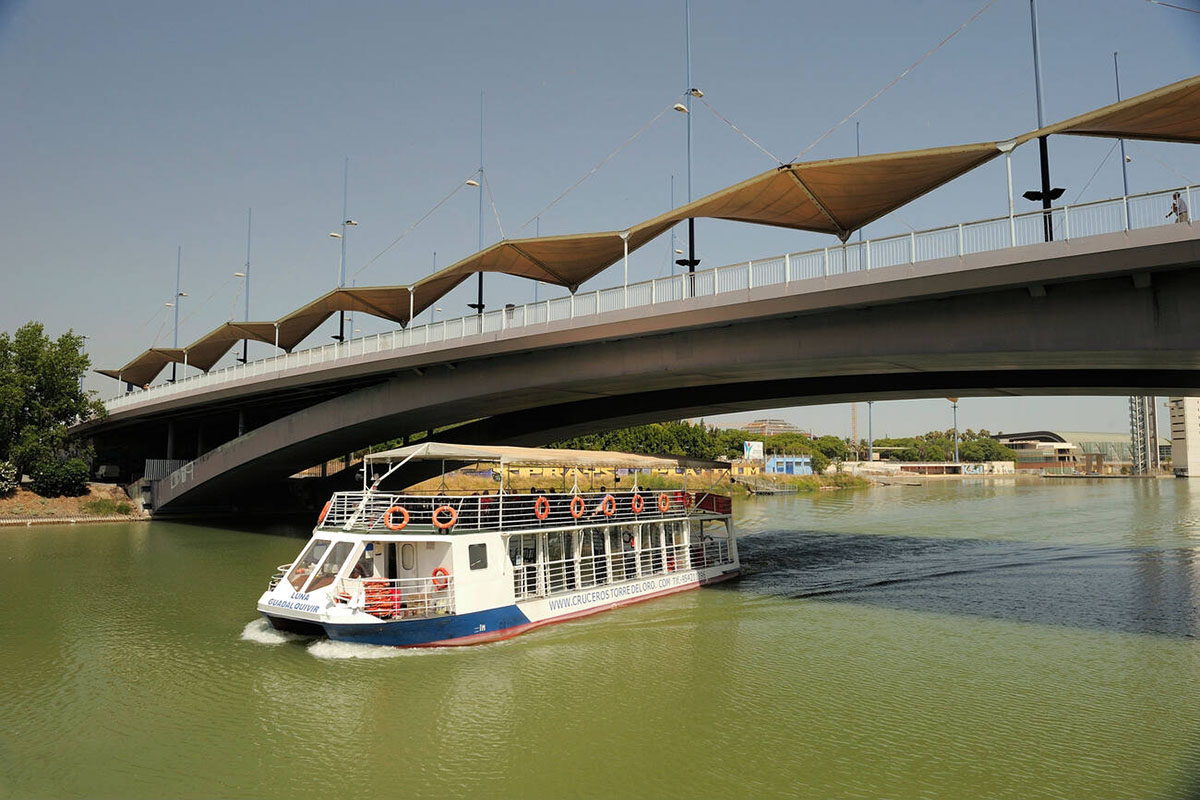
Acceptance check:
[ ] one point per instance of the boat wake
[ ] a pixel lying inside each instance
(261, 632)
(333, 651)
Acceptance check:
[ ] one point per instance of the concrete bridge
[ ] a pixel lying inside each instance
(967, 310)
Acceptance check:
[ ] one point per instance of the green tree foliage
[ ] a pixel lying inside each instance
(973, 446)
(8, 478)
(701, 441)
(40, 396)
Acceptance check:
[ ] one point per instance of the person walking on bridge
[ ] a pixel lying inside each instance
(1179, 208)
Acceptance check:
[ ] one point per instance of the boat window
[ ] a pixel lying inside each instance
(477, 555)
(329, 568)
(304, 565)
(408, 556)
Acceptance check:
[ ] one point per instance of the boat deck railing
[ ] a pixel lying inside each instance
(380, 512)
(784, 274)
(398, 598)
(631, 563)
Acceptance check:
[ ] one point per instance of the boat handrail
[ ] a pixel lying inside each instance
(569, 574)
(380, 512)
(396, 598)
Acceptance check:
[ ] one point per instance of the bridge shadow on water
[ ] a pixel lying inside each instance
(1122, 589)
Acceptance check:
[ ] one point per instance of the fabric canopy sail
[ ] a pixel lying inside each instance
(1168, 114)
(836, 196)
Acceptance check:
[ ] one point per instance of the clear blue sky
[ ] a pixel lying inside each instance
(132, 127)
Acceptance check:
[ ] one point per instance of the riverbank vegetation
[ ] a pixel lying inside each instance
(97, 500)
(973, 446)
(41, 394)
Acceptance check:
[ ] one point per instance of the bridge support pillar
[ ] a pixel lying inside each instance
(241, 422)
(170, 441)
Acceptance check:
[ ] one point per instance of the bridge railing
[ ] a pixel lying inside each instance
(1068, 222)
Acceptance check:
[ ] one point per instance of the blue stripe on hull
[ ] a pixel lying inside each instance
(411, 632)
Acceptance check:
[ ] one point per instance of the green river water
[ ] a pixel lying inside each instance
(945, 641)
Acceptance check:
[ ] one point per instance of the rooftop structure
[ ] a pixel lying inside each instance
(770, 427)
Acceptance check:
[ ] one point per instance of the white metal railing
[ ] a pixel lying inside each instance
(1069, 222)
(559, 576)
(397, 598)
(280, 572)
(380, 512)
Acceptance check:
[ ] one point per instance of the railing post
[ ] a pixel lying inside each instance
(653, 291)
(787, 268)
(826, 265)
(1125, 211)
(749, 274)
(867, 243)
(548, 311)
(912, 247)
(960, 239)
(1067, 224)
(572, 305)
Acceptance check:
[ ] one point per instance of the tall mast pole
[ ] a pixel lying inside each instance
(246, 342)
(342, 262)
(478, 305)
(1124, 170)
(1046, 195)
(691, 261)
(175, 302)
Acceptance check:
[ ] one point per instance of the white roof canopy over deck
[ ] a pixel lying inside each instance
(537, 456)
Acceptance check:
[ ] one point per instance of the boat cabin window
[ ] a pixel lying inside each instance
(303, 568)
(408, 556)
(330, 567)
(477, 555)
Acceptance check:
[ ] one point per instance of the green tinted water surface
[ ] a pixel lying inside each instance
(977, 640)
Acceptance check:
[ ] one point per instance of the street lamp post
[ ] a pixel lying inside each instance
(478, 306)
(245, 276)
(870, 434)
(346, 223)
(954, 405)
(686, 108)
(175, 304)
(1046, 195)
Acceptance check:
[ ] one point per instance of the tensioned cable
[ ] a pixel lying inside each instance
(495, 212)
(745, 135)
(895, 80)
(1103, 161)
(1172, 5)
(1186, 178)
(413, 227)
(603, 161)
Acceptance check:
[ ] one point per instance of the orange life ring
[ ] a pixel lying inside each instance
(608, 505)
(324, 512)
(638, 503)
(444, 574)
(541, 507)
(387, 518)
(664, 502)
(437, 513)
(577, 507)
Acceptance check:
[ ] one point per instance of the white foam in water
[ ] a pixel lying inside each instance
(261, 631)
(329, 649)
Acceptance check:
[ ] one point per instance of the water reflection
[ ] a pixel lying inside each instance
(1128, 566)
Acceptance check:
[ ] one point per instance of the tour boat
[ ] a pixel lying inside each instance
(413, 570)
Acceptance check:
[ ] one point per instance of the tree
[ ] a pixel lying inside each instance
(40, 395)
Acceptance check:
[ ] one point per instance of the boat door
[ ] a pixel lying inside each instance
(406, 564)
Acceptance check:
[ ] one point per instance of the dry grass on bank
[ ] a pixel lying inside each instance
(102, 500)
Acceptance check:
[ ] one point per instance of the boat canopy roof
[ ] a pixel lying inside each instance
(549, 457)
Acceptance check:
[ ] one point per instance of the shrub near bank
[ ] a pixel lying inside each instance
(41, 394)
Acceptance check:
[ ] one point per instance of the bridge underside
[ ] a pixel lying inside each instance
(1117, 316)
